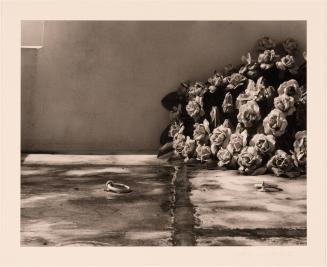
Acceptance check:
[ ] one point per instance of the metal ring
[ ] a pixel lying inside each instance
(117, 187)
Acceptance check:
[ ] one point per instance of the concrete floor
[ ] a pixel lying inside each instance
(63, 204)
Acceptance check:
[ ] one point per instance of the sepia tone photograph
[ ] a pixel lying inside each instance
(163, 133)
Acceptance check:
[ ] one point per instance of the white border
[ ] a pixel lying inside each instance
(14, 11)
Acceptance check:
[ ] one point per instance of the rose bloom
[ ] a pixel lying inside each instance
(265, 144)
(290, 46)
(220, 138)
(201, 133)
(290, 88)
(194, 108)
(300, 148)
(197, 89)
(234, 81)
(203, 152)
(179, 143)
(259, 91)
(267, 59)
(275, 123)
(287, 63)
(243, 99)
(285, 104)
(265, 43)
(239, 128)
(221, 135)
(215, 81)
(281, 164)
(249, 114)
(251, 71)
(228, 103)
(238, 141)
(250, 67)
(248, 160)
(226, 156)
(175, 128)
(189, 148)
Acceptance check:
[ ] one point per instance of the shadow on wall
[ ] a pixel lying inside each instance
(96, 86)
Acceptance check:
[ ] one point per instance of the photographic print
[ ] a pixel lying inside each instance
(163, 133)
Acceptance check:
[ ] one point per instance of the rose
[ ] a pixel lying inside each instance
(290, 88)
(243, 99)
(303, 97)
(249, 114)
(189, 148)
(251, 71)
(287, 63)
(201, 132)
(265, 43)
(179, 143)
(259, 91)
(228, 103)
(290, 46)
(239, 128)
(265, 144)
(249, 160)
(175, 128)
(226, 157)
(285, 104)
(300, 148)
(238, 140)
(220, 137)
(215, 81)
(267, 59)
(234, 81)
(263, 92)
(203, 152)
(281, 164)
(194, 108)
(250, 67)
(275, 123)
(197, 89)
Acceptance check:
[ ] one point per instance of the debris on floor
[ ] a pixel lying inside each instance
(267, 187)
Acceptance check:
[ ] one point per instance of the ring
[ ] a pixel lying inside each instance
(116, 187)
(264, 184)
(266, 187)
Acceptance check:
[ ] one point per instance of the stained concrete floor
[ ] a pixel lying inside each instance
(63, 203)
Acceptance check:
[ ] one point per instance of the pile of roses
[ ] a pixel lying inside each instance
(250, 117)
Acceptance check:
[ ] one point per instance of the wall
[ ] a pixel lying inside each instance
(95, 87)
